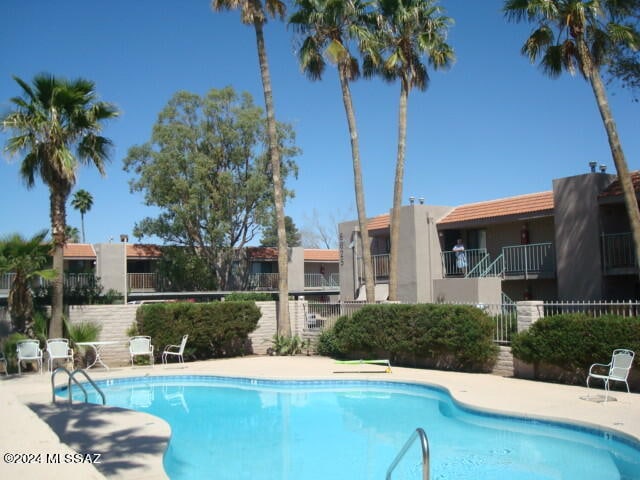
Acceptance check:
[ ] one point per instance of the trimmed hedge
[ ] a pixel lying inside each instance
(250, 297)
(573, 342)
(219, 329)
(455, 337)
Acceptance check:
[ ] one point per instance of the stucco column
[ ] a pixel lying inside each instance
(528, 313)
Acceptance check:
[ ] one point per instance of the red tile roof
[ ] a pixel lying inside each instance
(615, 188)
(79, 251)
(520, 205)
(143, 251)
(379, 222)
(262, 253)
(321, 255)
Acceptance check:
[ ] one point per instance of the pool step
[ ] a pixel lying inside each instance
(504, 364)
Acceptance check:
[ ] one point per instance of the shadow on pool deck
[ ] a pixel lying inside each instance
(127, 446)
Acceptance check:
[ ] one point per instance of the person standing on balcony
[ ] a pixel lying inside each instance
(461, 257)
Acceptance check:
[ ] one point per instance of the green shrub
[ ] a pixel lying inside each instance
(218, 329)
(9, 350)
(573, 342)
(443, 336)
(82, 332)
(250, 297)
(285, 345)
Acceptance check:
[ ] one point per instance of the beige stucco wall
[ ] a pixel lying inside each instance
(111, 266)
(468, 290)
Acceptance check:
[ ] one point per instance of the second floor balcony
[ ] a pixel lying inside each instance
(320, 281)
(72, 281)
(536, 260)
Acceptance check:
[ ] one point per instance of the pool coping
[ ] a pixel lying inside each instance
(489, 393)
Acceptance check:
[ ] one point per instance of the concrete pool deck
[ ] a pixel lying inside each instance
(130, 445)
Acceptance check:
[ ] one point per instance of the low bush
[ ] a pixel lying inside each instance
(218, 329)
(250, 297)
(573, 342)
(454, 337)
(10, 352)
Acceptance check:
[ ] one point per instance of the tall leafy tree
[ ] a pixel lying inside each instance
(82, 201)
(27, 259)
(254, 12)
(579, 35)
(270, 234)
(328, 28)
(207, 169)
(408, 33)
(56, 125)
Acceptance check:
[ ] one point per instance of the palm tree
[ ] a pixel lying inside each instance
(581, 35)
(26, 259)
(407, 31)
(52, 117)
(72, 234)
(327, 28)
(82, 201)
(252, 12)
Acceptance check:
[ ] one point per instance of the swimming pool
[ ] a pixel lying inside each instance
(235, 428)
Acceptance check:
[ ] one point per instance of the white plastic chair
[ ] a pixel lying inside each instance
(140, 346)
(175, 350)
(618, 369)
(58, 349)
(29, 351)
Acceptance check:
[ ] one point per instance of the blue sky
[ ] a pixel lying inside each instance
(492, 126)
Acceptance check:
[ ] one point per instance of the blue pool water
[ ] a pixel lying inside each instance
(238, 429)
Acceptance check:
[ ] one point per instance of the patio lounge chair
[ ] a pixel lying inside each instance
(29, 351)
(175, 350)
(140, 346)
(618, 368)
(58, 349)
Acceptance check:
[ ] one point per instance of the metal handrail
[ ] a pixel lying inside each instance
(424, 444)
(72, 378)
(480, 267)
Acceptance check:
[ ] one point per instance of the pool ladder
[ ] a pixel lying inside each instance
(72, 378)
(424, 445)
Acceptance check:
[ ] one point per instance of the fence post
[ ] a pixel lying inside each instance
(528, 313)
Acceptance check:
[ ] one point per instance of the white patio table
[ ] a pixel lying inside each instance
(98, 347)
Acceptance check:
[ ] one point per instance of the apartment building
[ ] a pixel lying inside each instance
(132, 270)
(572, 242)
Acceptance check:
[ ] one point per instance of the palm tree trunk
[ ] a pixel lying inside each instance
(397, 191)
(82, 222)
(284, 323)
(359, 190)
(619, 160)
(58, 221)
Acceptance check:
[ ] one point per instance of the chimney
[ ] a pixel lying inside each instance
(592, 166)
(411, 200)
(421, 200)
(124, 238)
(603, 168)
